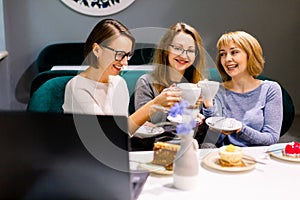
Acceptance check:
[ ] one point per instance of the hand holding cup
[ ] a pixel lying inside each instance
(209, 89)
(169, 96)
(190, 92)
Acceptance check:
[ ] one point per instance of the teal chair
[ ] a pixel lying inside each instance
(42, 77)
(48, 87)
(214, 75)
(49, 97)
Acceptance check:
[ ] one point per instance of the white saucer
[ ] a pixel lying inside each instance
(147, 131)
(157, 169)
(223, 123)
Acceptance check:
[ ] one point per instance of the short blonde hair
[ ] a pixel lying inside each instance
(194, 73)
(245, 41)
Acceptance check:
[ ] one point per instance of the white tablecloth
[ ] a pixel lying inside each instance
(276, 180)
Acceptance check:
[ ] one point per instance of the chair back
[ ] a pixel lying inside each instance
(49, 97)
(60, 54)
(42, 77)
(73, 54)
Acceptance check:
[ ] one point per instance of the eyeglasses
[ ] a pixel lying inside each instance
(179, 50)
(120, 55)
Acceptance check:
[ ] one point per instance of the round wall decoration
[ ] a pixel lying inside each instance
(98, 7)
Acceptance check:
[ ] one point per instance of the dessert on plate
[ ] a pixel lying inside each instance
(292, 150)
(231, 156)
(164, 154)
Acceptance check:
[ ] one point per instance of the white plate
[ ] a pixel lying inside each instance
(157, 169)
(223, 123)
(147, 131)
(278, 154)
(212, 161)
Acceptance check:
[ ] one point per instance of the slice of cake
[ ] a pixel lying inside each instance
(292, 150)
(164, 154)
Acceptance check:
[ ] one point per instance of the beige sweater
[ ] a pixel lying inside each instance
(85, 96)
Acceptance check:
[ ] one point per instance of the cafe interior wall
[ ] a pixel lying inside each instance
(30, 25)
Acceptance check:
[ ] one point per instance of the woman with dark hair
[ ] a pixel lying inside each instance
(244, 97)
(98, 89)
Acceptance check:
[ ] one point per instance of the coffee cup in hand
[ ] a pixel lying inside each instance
(190, 92)
(208, 89)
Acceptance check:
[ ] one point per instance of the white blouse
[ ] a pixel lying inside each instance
(85, 96)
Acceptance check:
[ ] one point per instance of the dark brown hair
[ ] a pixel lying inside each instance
(105, 31)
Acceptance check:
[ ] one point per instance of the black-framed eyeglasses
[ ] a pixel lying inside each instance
(178, 50)
(120, 55)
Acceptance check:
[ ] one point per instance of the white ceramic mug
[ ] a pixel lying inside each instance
(190, 92)
(208, 89)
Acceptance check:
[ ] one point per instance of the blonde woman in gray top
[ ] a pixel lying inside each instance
(255, 103)
(178, 58)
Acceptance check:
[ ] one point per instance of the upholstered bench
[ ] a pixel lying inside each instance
(47, 92)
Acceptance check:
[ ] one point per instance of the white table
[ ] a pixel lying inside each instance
(276, 180)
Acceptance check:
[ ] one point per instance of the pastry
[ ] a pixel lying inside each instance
(292, 150)
(231, 156)
(164, 154)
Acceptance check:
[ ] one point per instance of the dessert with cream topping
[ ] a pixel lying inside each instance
(231, 156)
(292, 150)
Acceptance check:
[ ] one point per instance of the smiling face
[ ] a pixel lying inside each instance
(182, 52)
(106, 55)
(234, 60)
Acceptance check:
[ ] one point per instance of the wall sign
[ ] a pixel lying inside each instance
(98, 7)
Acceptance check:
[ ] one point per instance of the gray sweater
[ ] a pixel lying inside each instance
(260, 111)
(144, 91)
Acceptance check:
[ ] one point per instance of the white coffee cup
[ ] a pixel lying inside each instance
(208, 89)
(190, 92)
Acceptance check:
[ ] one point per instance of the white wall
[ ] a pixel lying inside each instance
(32, 24)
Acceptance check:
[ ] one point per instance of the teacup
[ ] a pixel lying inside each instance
(190, 92)
(208, 89)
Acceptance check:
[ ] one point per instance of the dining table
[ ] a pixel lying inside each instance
(271, 177)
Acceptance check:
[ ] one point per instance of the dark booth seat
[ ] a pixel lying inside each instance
(60, 54)
(48, 93)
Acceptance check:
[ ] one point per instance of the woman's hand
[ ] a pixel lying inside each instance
(208, 103)
(230, 132)
(169, 96)
(200, 119)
